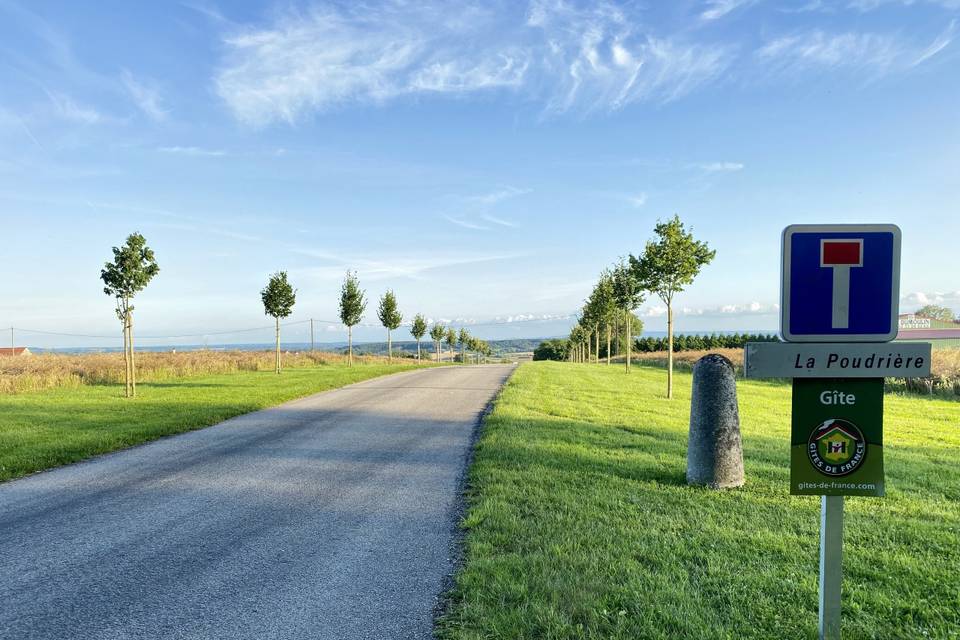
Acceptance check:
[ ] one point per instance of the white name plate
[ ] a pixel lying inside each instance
(837, 360)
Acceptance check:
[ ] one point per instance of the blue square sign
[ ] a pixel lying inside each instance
(841, 283)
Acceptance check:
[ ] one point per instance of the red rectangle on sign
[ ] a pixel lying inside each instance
(841, 252)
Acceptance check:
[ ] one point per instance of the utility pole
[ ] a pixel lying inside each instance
(12, 343)
(311, 334)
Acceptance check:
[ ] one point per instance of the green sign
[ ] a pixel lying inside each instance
(836, 444)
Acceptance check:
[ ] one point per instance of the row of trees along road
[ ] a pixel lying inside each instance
(134, 266)
(667, 265)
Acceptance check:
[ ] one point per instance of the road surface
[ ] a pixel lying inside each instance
(332, 516)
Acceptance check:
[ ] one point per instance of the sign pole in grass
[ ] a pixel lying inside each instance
(831, 563)
(840, 287)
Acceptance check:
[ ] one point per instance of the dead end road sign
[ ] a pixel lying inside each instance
(840, 283)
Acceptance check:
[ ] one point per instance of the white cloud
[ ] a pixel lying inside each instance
(68, 109)
(465, 223)
(917, 299)
(498, 221)
(713, 167)
(192, 151)
(395, 266)
(749, 309)
(145, 96)
(719, 8)
(875, 52)
(869, 5)
(562, 56)
(499, 195)
(637, 200)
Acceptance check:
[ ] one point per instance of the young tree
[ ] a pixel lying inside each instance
(603, 306)
(669, 264)
(451, 338)
(627, 295)
(133, 266)
(417, 329)
(278, 299)
(437, 333)
(463, 338)
(353, 303)
(390, 318)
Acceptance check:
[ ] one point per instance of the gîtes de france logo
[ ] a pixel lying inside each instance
(836, 448)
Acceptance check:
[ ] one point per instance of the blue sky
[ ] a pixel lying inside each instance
(485, 160)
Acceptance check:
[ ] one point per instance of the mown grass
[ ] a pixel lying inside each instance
(580, 524)
(45, 429)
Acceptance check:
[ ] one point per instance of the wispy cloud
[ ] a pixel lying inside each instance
(565, 56)
(638, 200)
(145, 96)
(876, 53)
(388, 267)
(869, 5)
(498, 221)
(718, 8)
(192, 151)
(465, 223)
(714, 167)
(70, 110)
(497, 196)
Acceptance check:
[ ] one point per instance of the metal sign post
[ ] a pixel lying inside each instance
(831, 563)
(839, 293)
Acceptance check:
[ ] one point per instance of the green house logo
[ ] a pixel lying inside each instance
(836, 447)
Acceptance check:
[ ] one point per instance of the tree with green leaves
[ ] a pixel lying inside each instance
(462, 338)
(390, 318)
(936, 312)
(418, 328)
(669, 264)
(603, 306)
(278, 298)
(353, 303)
(451, 339)
(437, 332)
(627, 295)
(132, 269)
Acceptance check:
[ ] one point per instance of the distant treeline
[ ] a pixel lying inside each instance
(696, 342)
(559, 349)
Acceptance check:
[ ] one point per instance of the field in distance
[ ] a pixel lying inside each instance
(580, 524)
(79, 410)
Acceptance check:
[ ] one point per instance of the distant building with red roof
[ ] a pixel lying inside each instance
(14, 351)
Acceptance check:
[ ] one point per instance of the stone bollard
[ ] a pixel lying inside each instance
(714, 452)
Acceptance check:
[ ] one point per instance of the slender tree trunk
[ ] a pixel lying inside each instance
(669, 349)
(608, 343)
(626, 335)
(389, 347)
(418, 350)
(277, 359)
(133, 362)
(126, 356)
(596, 340)
(350, 345)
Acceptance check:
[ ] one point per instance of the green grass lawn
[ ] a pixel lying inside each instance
(580, 524)
(58, 426)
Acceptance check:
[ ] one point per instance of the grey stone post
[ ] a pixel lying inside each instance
(714, 451)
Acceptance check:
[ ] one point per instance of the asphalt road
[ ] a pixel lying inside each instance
(332, 516)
